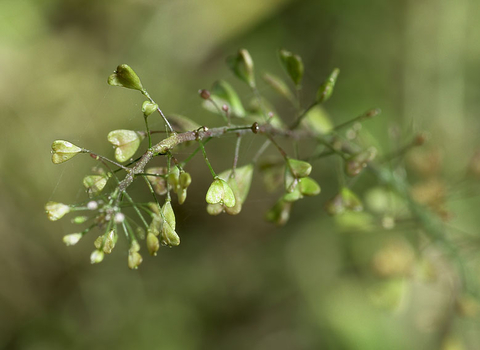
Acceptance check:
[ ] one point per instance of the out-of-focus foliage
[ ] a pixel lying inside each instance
(236, 282)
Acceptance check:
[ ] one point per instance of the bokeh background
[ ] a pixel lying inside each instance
(234, 282)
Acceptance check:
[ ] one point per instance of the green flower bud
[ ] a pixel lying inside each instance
(309, 187)
(279, 86)
(169, 236)
(63, 151)
(110, 242)
(72, 238)
(326, 89)
(94, 183)
(134, 259)
(242, 65)
(96, 256)
(153, 244)
(79, 219)
(56, 210)
(220, 192)
(299, 168)
(280, 213)
(182, 195)
(125, 77)
(184, 180)
(148, 108)
(293, 65)
(126, 143)
(358, 162)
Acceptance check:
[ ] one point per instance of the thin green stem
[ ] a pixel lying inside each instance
(147, 95)
(206, 159)
(148, 132)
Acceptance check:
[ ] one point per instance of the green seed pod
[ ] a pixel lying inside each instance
(79, 219)
(97, 256)
(63, 151)
(94, 183)
(309, 187)
(220, 192)
(168, 214)
(279, 86)
(148, 108)
(153, 244)
(126, 143)
(72, 238)
(125, 77)
(158, 183)
(299, 168)
(293, 196)
(56, 210)
(242, 65)
(215, 209)
(326, 89)
(293, 65)
(280, 213)
(182, 196)
(169, 236)
(181, 123)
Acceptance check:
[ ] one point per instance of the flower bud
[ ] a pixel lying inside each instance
(293, 65)
(56, 210)
(134, 259)
(72, 238)
(153, 244)
(242, 65)
(96, 256)
(220, 192)
(205, 94)
(94, 183)
(79, 219)
(110, 242)
(326, 89)
(125, 77)
(63, 151)
(148, 108)
(126, 143)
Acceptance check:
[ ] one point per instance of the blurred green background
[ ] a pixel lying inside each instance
(234, 282)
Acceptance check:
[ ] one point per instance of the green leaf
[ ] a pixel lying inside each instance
(63, 150)
(225, 92)
(242, 65)
(125, 77)
(293, 65)
(181, 123)
(317, 121)
(279, 86)
(326, 89)
(126, 143)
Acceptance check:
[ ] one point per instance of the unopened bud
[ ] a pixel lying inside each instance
(205, 94)
(72, 239)
(97, 256)
(134, 259)
(153, 244)
(56, 210)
